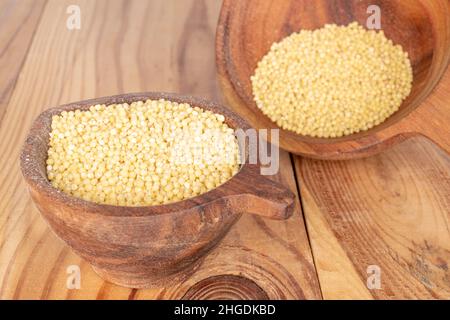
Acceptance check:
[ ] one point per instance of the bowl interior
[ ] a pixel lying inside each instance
(254, 25)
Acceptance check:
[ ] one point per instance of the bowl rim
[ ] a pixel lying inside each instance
(37, 180)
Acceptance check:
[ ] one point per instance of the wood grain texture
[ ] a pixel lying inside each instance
(131, 46)
(391, 210)
(18, 21)
(247, 29)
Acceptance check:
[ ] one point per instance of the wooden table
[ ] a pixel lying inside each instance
(386, 214)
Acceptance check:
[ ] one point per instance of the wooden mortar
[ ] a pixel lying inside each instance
(247, 29)
(148, 246)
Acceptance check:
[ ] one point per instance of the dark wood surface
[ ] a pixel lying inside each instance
(248, 28)
(390, 210)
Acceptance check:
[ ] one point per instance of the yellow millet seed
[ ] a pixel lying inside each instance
(332, 81)
(143, 153)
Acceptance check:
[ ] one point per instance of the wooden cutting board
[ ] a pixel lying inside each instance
(390, 211)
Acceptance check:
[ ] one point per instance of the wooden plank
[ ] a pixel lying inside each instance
(18, 20)
(129, 46)
(390, 210)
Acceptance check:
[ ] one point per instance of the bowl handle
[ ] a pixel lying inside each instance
(260, 195)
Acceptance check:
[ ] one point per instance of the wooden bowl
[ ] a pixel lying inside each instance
(247, 29)
(150, 245)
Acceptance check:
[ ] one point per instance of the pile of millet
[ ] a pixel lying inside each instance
(143, 153)
(333, 81)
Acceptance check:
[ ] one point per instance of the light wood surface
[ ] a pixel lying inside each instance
(149, 246)
(18, 22)
(391, 210)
